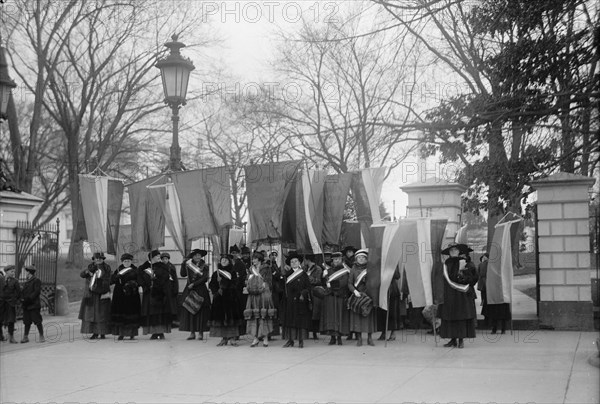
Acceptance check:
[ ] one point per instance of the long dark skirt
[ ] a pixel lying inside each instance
(335, 317)
(294, 333)
(360, 323)
(458, 328)
(194, 322)
(498, 311)
(125, 313)
(94, 314)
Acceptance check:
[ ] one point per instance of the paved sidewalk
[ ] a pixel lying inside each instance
(528, 366)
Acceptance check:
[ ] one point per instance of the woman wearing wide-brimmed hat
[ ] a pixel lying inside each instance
(126, 306)
(260, 311)
(195, 319)
(458, 308)
(297, 315)
(94, 312)
(357, 283)
(225, 315)
(157, 313)
(335, 317)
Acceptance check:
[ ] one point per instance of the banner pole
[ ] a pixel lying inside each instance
(434, 323)
(387, 317)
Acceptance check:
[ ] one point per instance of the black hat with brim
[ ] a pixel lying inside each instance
(30, 268)
(197, 251)
(126, 256)
(165, 255)
(293, 254)
(228, 256)
(337, 255)
(349, 248)
(259, 255)
(99, 255)
(153, 254)
(462, 248)
(234, 249)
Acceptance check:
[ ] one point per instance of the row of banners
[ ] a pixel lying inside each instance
(302, 209)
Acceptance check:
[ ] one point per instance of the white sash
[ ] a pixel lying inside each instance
(254, 271)
(149, 271)
(224, 273)
(338, 274)
(361, 276)
(95, 277)
(125, 270)
(454, 285)
(294, 275)
(193, 267)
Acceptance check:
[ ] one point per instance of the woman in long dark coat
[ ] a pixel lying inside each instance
(335, 317)
(315, 276)
(126, 306)
(297, 315)
(458, 310)
(165, 257)
(225, 316)
(276, 292)
(357, 283)
(94, 312)
(197, 276)
(157, 313)
(495, 314)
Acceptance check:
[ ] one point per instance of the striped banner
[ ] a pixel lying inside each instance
(309, 225)
(101, 199)
(398, 247)
(205, 199)
(335, 193)
(267, 187)
(165, 196)
(366, 191)
(461, 235)
(421, 273)
(499, 282)
(147, 218)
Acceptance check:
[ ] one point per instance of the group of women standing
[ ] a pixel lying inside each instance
(252, 295)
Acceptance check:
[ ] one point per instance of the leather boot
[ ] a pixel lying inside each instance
(332, 341)
(359, 340)
(370, 340)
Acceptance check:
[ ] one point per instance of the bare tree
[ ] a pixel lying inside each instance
(340, 88)
(88, 72)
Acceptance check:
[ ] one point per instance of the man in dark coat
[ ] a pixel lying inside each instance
(30, 298)
(11, 294)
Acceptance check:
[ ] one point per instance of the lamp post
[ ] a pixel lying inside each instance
(6, 84)
(175, 73)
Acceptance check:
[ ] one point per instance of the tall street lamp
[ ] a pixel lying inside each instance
(6, 84)
(175, 72)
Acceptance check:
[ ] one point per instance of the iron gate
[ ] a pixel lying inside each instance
(38, 246)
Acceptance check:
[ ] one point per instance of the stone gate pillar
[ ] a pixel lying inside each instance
(564, 251)
(435, 197)
(14, 206)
